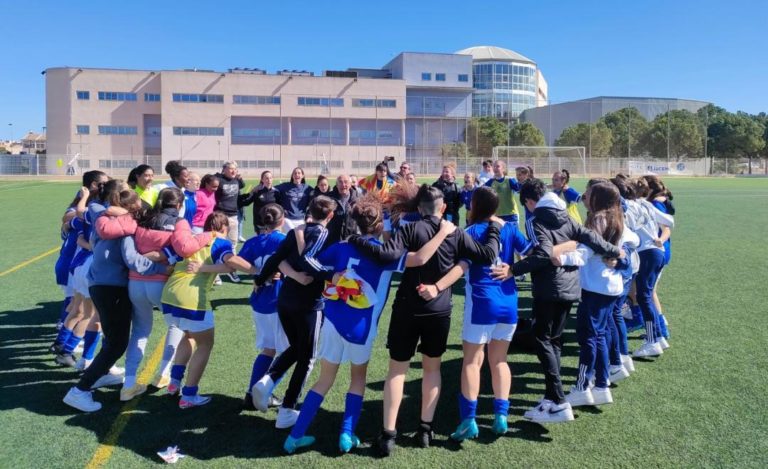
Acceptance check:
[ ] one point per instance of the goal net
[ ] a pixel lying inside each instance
(544, 160)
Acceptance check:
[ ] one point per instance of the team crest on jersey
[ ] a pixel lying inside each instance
(351, 289)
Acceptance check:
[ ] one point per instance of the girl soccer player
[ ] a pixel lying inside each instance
(205, 201)
(470, 183)
(353, 305)
(294, 197)
(140, 179)
(190, 197)
(560, 180)
(661, 198)
(505, 188)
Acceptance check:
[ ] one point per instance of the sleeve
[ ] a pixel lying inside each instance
(115, 227)
(281, 254)
(539, 258)
(591, 239)
(240, 183)
(663, 218)
(514, 185)
(94, 211)
(520, 243)
(579, 257)
(244, 200)
(572, 196)
(308, 260)
(184, 242)
(135, 261)
(489, 182)
(394, 249)
(470, 249)
(220, 248)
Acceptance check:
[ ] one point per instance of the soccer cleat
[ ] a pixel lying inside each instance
(126, 394)
(55, 348)
(65, 359)
(197, 400)
(274, 401)
(466, 430)
(602, 396)
(261, 392)
(626, 360)
(424, 436)
(161, 381)
(664, 344)
(648, 349)
(173, 389)
(286, 418)
(386, 443)
(347, 442)
(578, 398)
(292, 444)
(500, 424)
(234, 277)
(553, 413)
(81, 400)
(108, 380)
(617, 373)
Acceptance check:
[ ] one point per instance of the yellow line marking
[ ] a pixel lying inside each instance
(26, 263)
(104, 451)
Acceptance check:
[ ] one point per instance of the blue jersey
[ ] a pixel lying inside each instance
(67, 252)
(466, 197)
(489, 301)
(354, 304)
(256, 251)
(668, 243)
(81, 254)
(190, 205)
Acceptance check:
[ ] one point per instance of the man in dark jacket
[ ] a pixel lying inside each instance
(451, 193)
(554, 288)
(342, 225)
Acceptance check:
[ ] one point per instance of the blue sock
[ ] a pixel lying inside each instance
(71, 344)
(189, 391)
(353, 405)
(260, 366)
(308, 411)
(64, 312)
(63, 336)
(501, 406)
(90, 341)
(637, 318)
(663, 326)
(177, 372)
(467, 408)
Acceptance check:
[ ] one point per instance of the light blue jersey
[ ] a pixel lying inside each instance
(256, 251)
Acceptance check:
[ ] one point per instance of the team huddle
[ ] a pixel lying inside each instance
(322, 261)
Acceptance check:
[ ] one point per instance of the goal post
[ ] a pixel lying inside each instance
(544, 160)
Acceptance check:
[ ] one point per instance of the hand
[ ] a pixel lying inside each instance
(303, 278)
(658, 242)
(498, 220)
(155, 256)
(447, 227)
(115, 211)
(610, 262)
(500, 272)
(84, 192)
(193, 267)
(556, 261)
(277, 276)
(427, 292)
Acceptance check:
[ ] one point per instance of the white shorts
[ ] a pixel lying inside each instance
(484, 333)
(269, 332)
(291, 224)
(336, 349)
(191, 325)
(69, 288)
(80, 282)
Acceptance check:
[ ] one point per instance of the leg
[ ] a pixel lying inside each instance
(430, 387)
(141, 328)
(587, 337)
(199, 359)
(470, 370)
(308, 329)
(314, 398)
(500, 372)
(393, 392)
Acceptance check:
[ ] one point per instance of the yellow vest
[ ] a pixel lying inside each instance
(190, 291)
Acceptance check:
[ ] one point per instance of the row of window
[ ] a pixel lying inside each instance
(391, 103)
(117, 130)
(202, 131)
(427, 76)
(249, 99)
(197, 98)
(324, 102)
(116, 96)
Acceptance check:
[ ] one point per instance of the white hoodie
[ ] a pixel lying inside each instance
(648, 224)
(594, 275)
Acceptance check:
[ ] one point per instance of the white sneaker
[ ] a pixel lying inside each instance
(217, 281)
(81, 400)
(117, 370)
(617, 373)
(580, 398)
(537, 408)
(626, 360)
(108, 380)
(553, 413)
(664, 344)
(261, 392)
(286, 417)
(648, 350)
(602, 396)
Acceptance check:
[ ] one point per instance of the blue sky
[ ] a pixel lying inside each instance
(709, 50)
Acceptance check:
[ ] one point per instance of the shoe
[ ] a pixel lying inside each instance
(500, 424)
(161, 381)
(626, 360)
(617, 373)
(292, 444)
(217, 281)
(386, 443)
(580, 398)
(274, 401)
(347, 442)
(234, 277)
(55, 348)
(82, 364)
(197, 400)
(466, 430)
(247, 402)
(553, 413)
(602, 396)
(664, 344)
(126, 394)
(65, 359)
(81, 400)
(286, 418)
(261, 392)
(108, 380)
(424, 437)
(648, 350)
(538, 408)
(172, 389)
(117, 370)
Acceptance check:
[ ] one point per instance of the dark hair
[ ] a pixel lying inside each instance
(428, 197)
(170, 197)
(641, 188)
(126, 199)
(264, 173)
(303, 179)
(594, 181)
(488, 162)
(133, 176)
(89, 177)
(564, 173)
(657, 187)
(207, 180)
(108, 190)
(622, 176)
(484, 204)
(320, 207)
(605, 216)
(216, 221)
(530, 171)
(174, 169)
(271, 215)
(382, 167)
(319, 179)
(625, 189)
(533, 189)
(524, 169)
(368, 214)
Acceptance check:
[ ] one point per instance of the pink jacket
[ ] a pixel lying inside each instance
(206, 201)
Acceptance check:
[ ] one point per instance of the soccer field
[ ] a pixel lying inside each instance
(702, 404)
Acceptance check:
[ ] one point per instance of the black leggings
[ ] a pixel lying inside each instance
(549, 321)
(114, 309)
(302, 328)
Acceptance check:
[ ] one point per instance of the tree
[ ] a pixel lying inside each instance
(454, 150)
(676, 134)
(484, 133)
(526, 134)
(598, 144)
(628, 127)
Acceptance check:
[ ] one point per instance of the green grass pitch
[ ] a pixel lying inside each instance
(702, 404)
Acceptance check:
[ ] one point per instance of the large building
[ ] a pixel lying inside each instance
(412, 107)
(555, 118)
